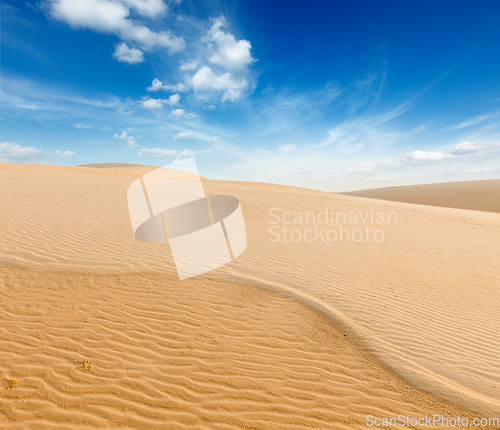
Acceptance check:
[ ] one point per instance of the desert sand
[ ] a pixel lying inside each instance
(97, 331)
(474, 195)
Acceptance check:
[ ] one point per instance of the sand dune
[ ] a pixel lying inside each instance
(473, 195)
(291, 334)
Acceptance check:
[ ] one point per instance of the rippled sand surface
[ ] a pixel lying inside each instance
(97, 331)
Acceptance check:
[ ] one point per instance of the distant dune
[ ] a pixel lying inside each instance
(97, 330)
(473, 195)
(109, 165)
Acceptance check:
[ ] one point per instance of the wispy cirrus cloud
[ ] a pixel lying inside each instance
(194, 135)
(473, 121)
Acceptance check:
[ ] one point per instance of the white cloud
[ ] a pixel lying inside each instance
(155, 85)
(173, 100)
(111, 16)
(128, 55)
(180, 113)
(125, 112)
(79, 126)
(150, 103)
(425, 156)
(159, 85)
(194, 135)
(125, 136)
(64, 154)
(149, 8)
(188, 65)
(158, 152)
(13, 153)
(465, 151)
(206, 80)
(164, 152)
(226, 51)
(473, 147)
(184, 135)
(232, 55)
(473, 121)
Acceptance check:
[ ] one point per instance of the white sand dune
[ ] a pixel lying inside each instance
(473, 195)
(332, 333)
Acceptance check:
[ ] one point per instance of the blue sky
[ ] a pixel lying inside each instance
(330, 95)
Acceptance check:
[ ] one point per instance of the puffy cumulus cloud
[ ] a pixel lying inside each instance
(233, 86)
(188, 65)
(425, 156)
(64, 154)
(164, 152)
(131, 143)
(124, 135)
(180, 113)
(461, 151)
(10, 152)
(226, 51)
(128, 55)
(152, 104)
(159, 85)
(112, 17)
(149, 8)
